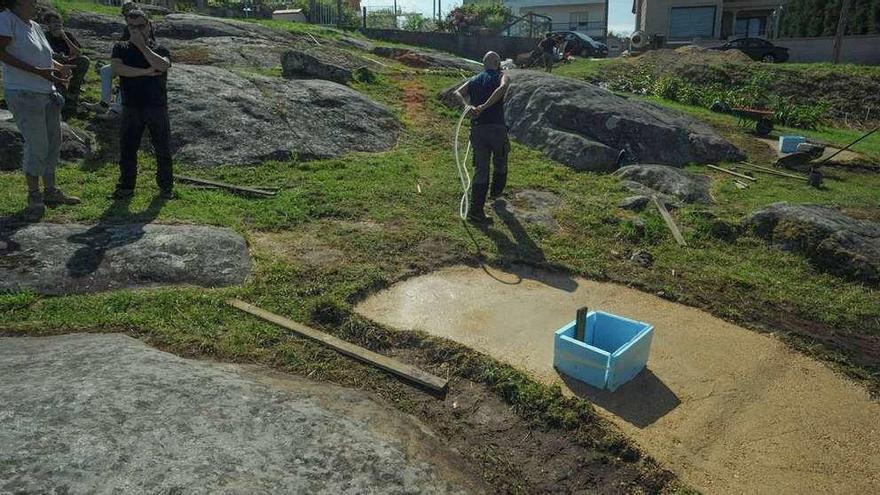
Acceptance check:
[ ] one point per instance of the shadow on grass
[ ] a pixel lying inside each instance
(522, 251)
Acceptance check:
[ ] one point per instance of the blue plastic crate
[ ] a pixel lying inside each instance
(614, 351)
(788, 144)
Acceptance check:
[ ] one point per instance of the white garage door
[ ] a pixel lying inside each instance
(691, 22)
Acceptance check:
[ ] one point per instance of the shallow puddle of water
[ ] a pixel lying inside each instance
(730, 410)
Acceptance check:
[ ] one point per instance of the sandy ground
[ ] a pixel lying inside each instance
(728, 409)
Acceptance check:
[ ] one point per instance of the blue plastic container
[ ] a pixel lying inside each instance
(614, 351)
(788, 144)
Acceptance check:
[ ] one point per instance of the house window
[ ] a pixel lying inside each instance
(751, 26)
(691, 22)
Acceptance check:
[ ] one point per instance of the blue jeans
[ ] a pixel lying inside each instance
(107, 78)
(38, 118)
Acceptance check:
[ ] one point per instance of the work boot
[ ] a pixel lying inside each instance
(498, 183)
(35, 206)
(167, 194)
(121, 194)
(479, 218)
(57, 197)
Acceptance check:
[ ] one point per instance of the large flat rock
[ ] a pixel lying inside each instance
(107, 414)
(179, 26)
(65, 259)
(833, 241)
(663, 179)
(222, 117)
(586, 127)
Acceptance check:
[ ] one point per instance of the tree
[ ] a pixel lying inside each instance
(485, 17)
(415, 22)
(809, 18)
(381, 19)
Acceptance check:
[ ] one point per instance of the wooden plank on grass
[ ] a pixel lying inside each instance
(386, 363)
(669, 221)
(223, 185)
(731, 172)
(766, 170)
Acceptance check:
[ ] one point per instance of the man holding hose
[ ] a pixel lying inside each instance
(484, 93)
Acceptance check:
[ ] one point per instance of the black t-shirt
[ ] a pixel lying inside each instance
(480, 89)
(59, 47)
(144, 91)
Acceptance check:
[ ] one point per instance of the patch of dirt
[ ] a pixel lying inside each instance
(526, 458)
(300, 248)
(414, 100)
(728, 409)
(413, 59)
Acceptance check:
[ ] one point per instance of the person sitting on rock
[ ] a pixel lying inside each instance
(142, 66)
(548, 47)
(67, 50)
(111, 106)
(30, 79)
(485, 93)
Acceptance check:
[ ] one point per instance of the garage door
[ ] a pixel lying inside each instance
(691, 22)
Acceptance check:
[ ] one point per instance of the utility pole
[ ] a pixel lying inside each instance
(605, 27)
(439, 10)
(841, 27)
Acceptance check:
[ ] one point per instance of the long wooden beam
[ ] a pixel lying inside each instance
(767, 170)
(223, 185)
(731, 172)
(669, 221)
(386, 363)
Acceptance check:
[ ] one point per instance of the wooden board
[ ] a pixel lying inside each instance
(669, 222)
(773, 172)
(393, 366)
(731, 172)
(223, 185)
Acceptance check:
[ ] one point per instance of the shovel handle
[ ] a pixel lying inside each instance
(580, 326)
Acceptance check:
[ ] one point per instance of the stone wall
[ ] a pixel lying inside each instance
(472, 47)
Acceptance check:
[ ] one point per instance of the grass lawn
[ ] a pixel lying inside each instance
(367, 207)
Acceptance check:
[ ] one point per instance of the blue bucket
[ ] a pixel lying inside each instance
(788, 144)
(615, 349)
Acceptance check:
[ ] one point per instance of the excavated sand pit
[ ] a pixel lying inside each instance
(728, 409)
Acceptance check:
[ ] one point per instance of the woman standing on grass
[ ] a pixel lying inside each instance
(29, 78)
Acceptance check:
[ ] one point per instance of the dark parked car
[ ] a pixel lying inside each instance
(581, 44)
(757, 49)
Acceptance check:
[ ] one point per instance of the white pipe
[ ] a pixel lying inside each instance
(461, 164)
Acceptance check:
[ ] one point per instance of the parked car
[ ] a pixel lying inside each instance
(757, 49)
(581, 44)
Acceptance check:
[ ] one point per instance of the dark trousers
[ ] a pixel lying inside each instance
(134, 121)
(490, 144)
(72, 91)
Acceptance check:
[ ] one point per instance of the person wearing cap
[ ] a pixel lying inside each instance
(485, 94)
(67, 50)
(142, 66)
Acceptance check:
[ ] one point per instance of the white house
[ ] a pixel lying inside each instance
(685, 20)
(587, 16)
